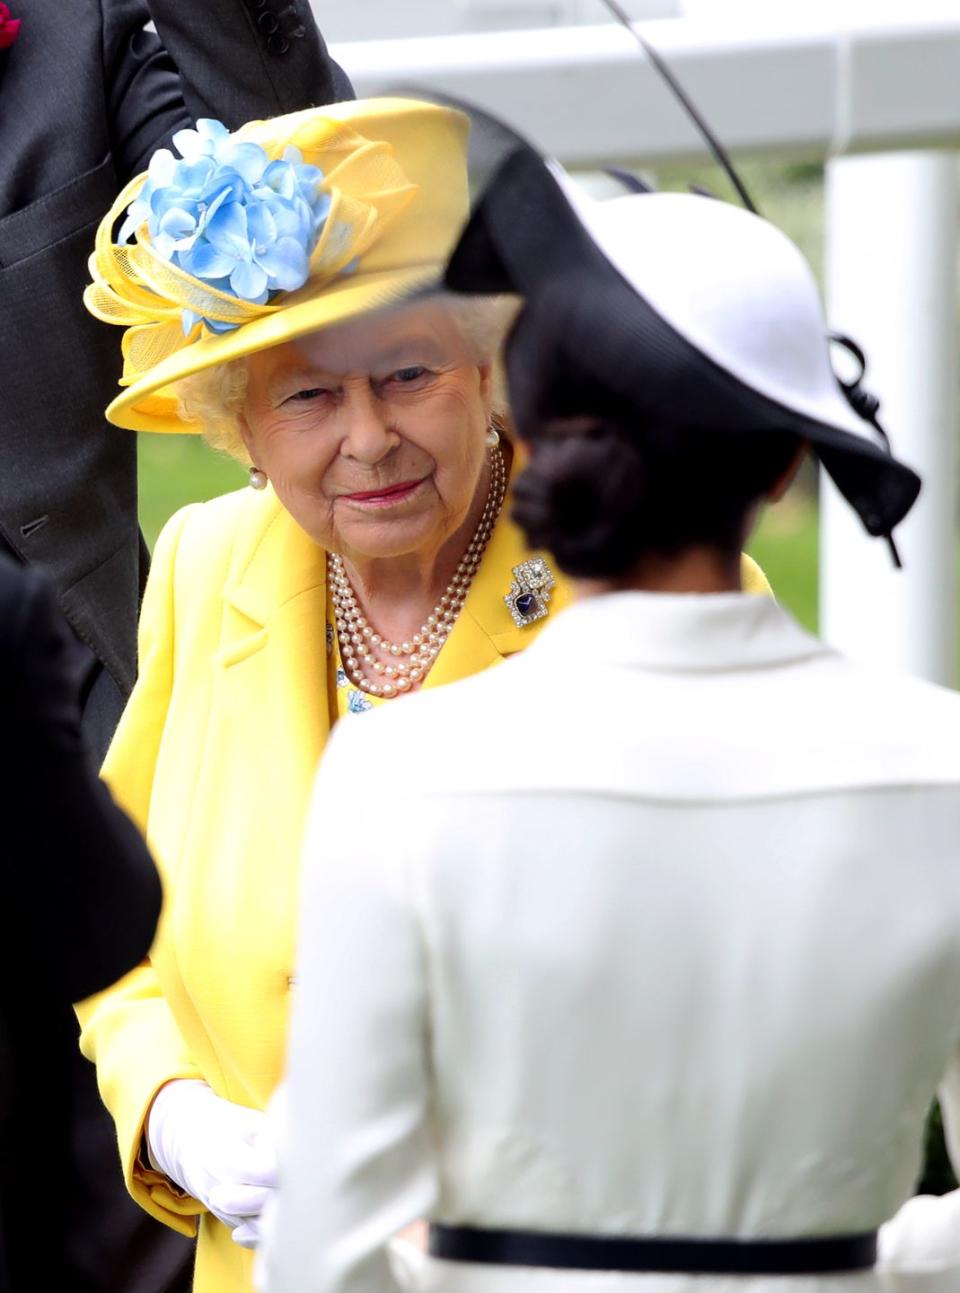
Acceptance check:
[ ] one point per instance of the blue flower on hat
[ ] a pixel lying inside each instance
(227, 214)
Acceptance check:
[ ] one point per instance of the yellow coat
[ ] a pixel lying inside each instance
(214, 759)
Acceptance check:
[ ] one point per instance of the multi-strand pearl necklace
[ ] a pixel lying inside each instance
(406, 663)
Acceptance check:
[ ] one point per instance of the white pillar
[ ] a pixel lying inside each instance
(891, 244)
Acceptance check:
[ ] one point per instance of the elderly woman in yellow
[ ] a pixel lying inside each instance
(267, 295)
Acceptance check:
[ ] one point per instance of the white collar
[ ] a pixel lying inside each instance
(681, 632)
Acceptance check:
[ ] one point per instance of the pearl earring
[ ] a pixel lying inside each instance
(258, 478)
(493, 436)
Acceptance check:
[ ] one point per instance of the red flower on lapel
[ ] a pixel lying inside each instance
(9, 27)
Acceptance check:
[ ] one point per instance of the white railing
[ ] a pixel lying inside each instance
(773, 77)
(826, 80)
(389, 20)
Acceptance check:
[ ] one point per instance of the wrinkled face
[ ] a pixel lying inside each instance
(372, 433)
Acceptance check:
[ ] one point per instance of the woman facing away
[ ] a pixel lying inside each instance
(260, 279)
(656, 991)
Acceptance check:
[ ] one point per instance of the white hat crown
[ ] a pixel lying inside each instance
(735, 287)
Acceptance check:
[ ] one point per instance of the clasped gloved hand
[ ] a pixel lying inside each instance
(220, 1153)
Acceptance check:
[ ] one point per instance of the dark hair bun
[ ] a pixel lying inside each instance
(579, 499)
(600, 495)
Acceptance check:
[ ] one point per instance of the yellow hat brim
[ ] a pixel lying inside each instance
(150, 404)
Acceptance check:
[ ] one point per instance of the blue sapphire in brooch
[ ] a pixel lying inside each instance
(529, 595)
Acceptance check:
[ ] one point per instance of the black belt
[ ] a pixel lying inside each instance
(816, 1255)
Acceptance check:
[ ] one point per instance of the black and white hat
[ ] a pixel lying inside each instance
(682, 307)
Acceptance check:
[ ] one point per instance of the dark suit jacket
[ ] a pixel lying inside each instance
(86, 95)
(80, 901)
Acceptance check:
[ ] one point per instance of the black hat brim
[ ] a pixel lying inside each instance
(524, 237)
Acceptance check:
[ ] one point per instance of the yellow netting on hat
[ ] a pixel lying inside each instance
(135, 287)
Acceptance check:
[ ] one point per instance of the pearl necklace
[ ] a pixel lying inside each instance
(408, 662)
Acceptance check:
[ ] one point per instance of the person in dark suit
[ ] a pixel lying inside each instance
(81, 898)
(86, 95)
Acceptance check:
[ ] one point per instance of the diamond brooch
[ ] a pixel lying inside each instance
(529, 595)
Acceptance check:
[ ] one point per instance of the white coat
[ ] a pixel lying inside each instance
(652, 931)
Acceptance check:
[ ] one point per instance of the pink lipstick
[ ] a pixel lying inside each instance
(384, 497)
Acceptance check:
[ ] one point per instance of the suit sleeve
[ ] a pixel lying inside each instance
(235, 60)
(356, 1159)
(129, 1031)
(88, 884)
(143, 97)
(243, 60)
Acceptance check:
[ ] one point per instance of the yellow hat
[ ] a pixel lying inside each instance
(394, 193)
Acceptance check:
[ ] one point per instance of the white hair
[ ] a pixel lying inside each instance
(215, 396)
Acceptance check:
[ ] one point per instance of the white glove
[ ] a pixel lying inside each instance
(221, 1153)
